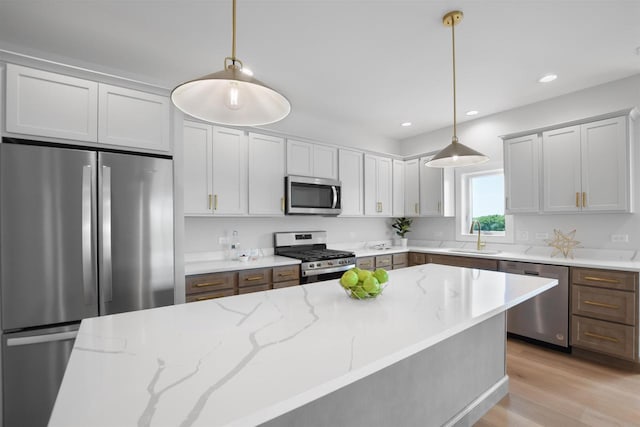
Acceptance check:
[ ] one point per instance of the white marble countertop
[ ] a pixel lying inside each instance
(216, 266)
(245, 359)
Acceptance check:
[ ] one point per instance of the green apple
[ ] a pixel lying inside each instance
(363, 275)
(371, 285)
(359, 292)
(349, 279)
(382, 275)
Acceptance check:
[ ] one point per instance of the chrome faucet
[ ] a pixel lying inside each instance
(480, 244)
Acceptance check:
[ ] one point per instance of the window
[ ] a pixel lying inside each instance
(486, 202)
(482, 200)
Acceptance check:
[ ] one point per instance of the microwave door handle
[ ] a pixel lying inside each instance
(335, 196)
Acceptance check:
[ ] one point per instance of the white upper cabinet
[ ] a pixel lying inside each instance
(412, 188)
(398, 188)
(52, 105)
(605, 158)
(132, 118)
(266, 175)
(521, 166)
(351, 176)
(308, 159)
(437, 190)
(197, 171)
(587, 167)
(229, 171)
(377, 185)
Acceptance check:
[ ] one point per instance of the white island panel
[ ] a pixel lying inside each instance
(247, 359)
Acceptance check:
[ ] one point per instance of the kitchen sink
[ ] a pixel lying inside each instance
(475, 251)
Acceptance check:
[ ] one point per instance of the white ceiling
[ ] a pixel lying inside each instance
(367, 63)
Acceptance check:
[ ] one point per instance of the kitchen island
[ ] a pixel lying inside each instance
(429, 351)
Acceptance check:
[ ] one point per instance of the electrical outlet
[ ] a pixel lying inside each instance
(620, 238)
(542, 236)
(523, 235)
(224, 240)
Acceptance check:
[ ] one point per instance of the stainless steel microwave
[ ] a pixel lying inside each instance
(306, 195)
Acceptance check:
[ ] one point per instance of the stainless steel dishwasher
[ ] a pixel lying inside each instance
(546, 317)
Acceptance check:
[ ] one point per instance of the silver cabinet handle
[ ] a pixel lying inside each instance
(106, 270)
(39, 339)
(88, 238)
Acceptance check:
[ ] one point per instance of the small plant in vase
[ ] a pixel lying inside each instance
(402, 226)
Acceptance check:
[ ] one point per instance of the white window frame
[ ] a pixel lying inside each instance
(463, 201)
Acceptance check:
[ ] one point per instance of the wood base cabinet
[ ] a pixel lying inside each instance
(604, 312)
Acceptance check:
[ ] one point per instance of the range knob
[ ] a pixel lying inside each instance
(310, 265)
(329, 262)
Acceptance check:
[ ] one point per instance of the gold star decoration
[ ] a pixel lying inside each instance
(563, 243)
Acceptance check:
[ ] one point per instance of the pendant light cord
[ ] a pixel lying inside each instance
(233, 37)
(453, 43)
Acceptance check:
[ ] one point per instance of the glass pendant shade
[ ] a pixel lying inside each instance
(231, 97)
(455, 155)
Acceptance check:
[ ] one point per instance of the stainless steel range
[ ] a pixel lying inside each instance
(318, 262)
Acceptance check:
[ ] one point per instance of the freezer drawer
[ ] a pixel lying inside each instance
(33, 364)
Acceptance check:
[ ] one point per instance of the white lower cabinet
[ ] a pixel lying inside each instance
(215, 170)
(266, 175)
(351, 176)
(131, 118)
(51, 105)
(377, 185)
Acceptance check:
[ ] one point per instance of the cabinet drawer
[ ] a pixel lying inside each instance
(383, 261)
(605, 304)
(468, 262)
(397, 266)
(210, 282)
(621, 280)
(366, 263)
(210, 295)
(258, 276)
(277, 285)
(401, 259)
(416, 258)
(256, 288)
(286, 273)
(604, 337)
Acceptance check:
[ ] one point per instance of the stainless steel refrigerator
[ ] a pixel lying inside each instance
(82, 233)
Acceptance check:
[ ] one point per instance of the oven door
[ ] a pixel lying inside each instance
(312, 196)
(320, 277)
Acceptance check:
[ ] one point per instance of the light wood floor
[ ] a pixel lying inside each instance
(550, 388)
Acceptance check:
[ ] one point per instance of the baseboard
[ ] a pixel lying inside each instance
(476, 409)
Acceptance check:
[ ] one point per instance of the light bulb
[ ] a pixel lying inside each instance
(233, 98)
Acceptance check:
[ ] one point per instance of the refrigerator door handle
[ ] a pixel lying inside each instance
(38, 339)
(106, 284)
(88, 243)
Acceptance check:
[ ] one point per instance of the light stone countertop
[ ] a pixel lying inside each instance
(217, 266)
(246, 359)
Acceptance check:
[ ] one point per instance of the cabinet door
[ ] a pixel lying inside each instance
(561, 170)
(229, 171)
(411, 188)
(398, 188)
(385, 188)
(299, 158)
(266, 175)
(325, 161)
(431, 190)
(605, 165)
(53, 105)
(371, 205)
(198, 191)
(521, 178)
(351, 176)
(132, 118)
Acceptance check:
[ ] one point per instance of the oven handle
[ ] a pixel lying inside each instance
(308, 273)
(335, 196)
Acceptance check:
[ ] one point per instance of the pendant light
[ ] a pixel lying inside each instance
(455, 154)
(231, 96)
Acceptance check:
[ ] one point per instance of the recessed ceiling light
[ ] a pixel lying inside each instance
(472, 113)
(547, 78)
(405, 124)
